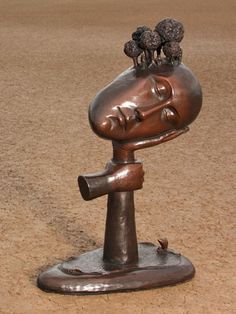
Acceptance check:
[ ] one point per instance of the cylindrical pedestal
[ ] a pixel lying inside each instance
(120, 245)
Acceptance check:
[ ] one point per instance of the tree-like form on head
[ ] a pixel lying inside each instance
(166, 37)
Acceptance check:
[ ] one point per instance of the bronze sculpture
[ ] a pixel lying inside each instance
(150, 103)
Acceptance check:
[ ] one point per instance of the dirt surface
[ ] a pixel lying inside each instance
(54, 56)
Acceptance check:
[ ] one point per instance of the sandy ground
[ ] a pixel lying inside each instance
(54, 56)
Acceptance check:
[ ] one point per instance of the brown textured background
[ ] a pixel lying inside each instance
(54, 56)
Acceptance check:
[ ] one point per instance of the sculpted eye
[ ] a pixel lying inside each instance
(171, 115)
(160, 89)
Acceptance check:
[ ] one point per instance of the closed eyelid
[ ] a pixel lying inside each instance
(160, 89)
(154, 87)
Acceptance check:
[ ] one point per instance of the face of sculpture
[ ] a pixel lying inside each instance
(145, 104)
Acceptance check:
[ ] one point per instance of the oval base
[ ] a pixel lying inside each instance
(89, 274)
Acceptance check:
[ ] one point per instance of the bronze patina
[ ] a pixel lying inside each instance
(148, 104)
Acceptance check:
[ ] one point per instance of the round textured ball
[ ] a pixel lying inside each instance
(131, 49)
(170, 30)
(172, 50)
(137, 34)
(150, 40)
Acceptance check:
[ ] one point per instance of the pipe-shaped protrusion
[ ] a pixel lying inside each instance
(117, 177)
(93, 186)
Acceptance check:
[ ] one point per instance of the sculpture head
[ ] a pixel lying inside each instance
(155, 97)
(142, 103)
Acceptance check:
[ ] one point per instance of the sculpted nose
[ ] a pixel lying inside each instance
(143, 113)
(167, 113)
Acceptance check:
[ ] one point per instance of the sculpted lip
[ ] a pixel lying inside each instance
(122, 117)
(122, 120)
